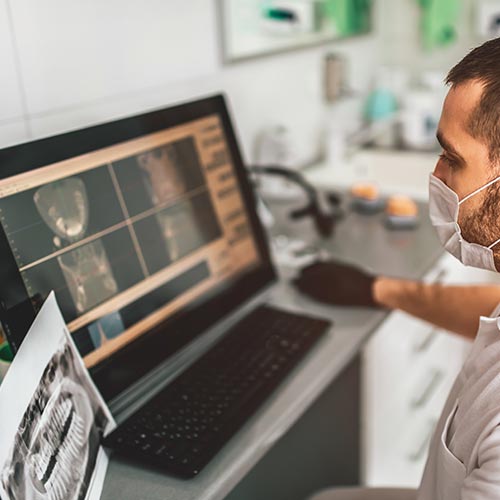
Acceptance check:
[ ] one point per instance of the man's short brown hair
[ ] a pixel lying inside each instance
(483, 64)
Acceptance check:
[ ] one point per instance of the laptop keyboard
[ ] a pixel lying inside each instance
(189, 421)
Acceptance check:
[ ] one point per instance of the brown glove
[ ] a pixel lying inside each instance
(334, 283)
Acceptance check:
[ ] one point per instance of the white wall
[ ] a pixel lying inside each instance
(12, 124)
(68, 63)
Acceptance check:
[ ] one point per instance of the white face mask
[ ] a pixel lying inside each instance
(443, 210)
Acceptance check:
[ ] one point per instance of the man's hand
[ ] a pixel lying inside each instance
(456, 308)
(335, 283)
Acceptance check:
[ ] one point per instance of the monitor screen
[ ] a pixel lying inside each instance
(134, 233)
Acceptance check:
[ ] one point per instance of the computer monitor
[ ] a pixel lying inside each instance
(145, 228)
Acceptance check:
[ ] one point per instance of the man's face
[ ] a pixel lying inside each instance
(465, 166)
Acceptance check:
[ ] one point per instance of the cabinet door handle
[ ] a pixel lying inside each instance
(422, 396)
(417, 452)
(424, 344)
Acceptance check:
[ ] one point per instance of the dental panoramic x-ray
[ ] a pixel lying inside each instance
(57, 442)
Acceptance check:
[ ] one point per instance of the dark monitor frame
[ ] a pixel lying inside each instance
(135, 360)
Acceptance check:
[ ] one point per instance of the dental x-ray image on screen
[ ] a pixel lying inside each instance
(163, 173)
(131, 232)
(57, 442)
(64, 207)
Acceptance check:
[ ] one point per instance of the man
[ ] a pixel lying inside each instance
(464, 455)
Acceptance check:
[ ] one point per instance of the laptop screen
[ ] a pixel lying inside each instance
(134, 234)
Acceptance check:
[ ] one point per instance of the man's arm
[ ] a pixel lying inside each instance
(456, 308)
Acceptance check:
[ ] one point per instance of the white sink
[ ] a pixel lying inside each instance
(395, 172)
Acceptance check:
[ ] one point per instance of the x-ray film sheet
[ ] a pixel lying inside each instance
(52, 418)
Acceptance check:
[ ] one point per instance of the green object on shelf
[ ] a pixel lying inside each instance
(6, 352)
(439, 20)
(349, 16)
(278, 14)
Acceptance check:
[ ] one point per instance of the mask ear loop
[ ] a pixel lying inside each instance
(479, 190)
(493, 244)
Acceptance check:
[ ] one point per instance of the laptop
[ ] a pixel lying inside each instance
(146, 229)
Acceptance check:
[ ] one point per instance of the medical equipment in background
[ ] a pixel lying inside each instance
(421, 109)
(381, 107)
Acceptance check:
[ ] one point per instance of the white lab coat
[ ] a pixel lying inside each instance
(464, 454)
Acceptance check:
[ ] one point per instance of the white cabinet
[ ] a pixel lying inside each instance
(409, 367)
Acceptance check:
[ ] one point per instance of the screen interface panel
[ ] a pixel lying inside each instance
(130, 234)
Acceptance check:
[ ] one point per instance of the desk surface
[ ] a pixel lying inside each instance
(358, 239)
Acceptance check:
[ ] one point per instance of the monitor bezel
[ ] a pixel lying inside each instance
(151, 349)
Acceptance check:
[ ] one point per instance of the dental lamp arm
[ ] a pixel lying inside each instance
(324, 221)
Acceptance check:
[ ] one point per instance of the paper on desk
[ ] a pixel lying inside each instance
(51, 418)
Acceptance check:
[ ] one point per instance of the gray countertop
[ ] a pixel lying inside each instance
(359, 239)
(365, 241)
